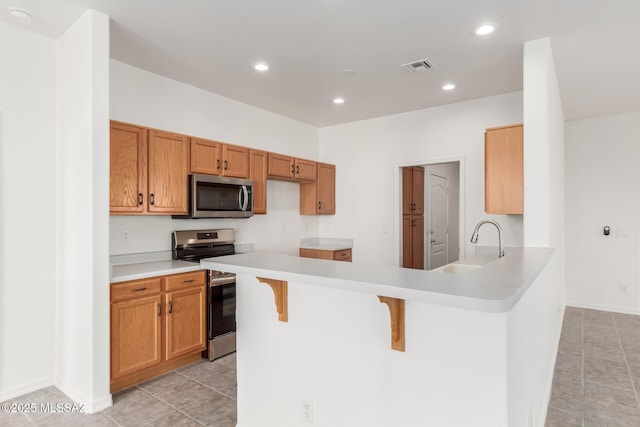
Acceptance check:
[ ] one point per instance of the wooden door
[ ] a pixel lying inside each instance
(235, 161)
(258, 174)
(438, 221)
(280, 166)
(326, 189)
(185, 326)
(128, 169)
(168, 172)
(504, 170)
(417, 242)
(136, 335)
(305, 170)
(205, 156)
(413, 190)
(417, 190)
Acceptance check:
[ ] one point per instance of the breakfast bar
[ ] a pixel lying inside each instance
(343, 344)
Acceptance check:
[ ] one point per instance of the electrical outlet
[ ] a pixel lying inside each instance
(307, 411)
(124, 236)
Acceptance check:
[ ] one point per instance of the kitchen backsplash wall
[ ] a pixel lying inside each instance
(278, 231)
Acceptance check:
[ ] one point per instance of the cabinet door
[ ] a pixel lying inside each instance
(235, 161)
(504, 177)
(417, 190)
(136, 335)
(305, 170)
(258, 174)
(413, 241)
(280, 166)
(326, 189)
(185, 322)
(128, 169)
(206, 156)
(413, 190)
(168, 172)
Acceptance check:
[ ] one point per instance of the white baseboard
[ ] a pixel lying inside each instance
(22, 389)
(90, 405)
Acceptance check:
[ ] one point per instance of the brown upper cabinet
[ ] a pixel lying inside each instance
(319, 197)
(217, 158)
(413, 190)
(504, 170)
(148, 171)
(290, 168)
(258, 174)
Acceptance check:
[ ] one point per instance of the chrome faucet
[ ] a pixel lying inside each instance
(474, 236)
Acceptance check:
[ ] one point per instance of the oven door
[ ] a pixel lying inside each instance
(222, 308)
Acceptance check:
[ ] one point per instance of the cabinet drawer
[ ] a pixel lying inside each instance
(185, 280)
(135, 289)
(343, 255)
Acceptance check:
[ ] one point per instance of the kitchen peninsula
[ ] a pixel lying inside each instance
(346, 344)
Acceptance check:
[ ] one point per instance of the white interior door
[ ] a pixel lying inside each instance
(437, 234)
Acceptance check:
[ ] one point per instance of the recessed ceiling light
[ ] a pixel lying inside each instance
(448, 86)
(485, 29)
(338, 100)
(347, 72)
(22, 14)
(261, 66)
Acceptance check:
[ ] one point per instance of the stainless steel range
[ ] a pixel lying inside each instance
(194, 245)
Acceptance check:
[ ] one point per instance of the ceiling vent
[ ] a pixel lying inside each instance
(419, 66)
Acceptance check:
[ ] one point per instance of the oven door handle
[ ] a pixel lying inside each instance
(229, 281)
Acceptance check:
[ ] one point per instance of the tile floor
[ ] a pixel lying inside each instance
(597, 374)
(596, 383)
(202, 394)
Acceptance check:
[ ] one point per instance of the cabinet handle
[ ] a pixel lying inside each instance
(138, 289)
(188, 281)
(218, 164)
(298, 170)
(226, 165)
(413, 206)
(152, 198)
(413, 222)
(159, 309)
(319, 205)
(140, 198)
(293, 169)
(170, 307)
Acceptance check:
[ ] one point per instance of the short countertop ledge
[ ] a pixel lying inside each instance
(495, 288)
(326, 243)
(144, 270)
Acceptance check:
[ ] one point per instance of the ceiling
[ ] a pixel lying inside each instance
(213, 44)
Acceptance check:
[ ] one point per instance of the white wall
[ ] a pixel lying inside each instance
(82, 134)
(544, 220)
(368, 155)
(27, 211)
(147, 99)
(603, 188)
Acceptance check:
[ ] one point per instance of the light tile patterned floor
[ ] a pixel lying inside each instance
(596, 383)
(202, 394)
(597, 373)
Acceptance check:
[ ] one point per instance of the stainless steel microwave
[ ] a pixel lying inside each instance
(219, 197)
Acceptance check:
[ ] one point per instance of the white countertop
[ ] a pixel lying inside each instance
(326, 243)
(494, 288)
(143, 270)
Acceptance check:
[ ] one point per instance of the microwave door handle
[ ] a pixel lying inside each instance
(240, 198)
(246, 198)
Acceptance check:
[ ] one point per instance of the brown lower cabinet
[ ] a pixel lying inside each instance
(339, 255)
(413, 241)
(157, 325)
